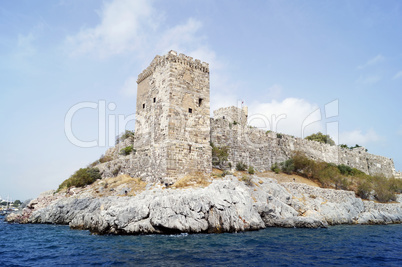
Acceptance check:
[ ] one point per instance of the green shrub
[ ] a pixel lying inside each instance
(383, 189)
(279, 135)
(104, 159)
(343, 146)
(116, 171)
(275, 168)
(326, 174)
(322, 138)
(364, 189)
(395, 185)
(344, 169)
(343, 177)
(302, 164)
(251, 170)
(127, 150)
(288, 166)
(219, 155)
(81, 178)
(224, 173)
(124, 136)
(358, 173)
(235, 123)
(247, 180)
(240, 166)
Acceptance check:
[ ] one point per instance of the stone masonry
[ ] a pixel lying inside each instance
(172, 127)
(261, 149)
(173, 131)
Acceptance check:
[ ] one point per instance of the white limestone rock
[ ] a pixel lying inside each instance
(226, 205)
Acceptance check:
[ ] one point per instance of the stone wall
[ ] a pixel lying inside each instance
(173, 130)
(261, 149)
(172, 118)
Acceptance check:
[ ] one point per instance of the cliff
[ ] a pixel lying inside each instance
(225, 205)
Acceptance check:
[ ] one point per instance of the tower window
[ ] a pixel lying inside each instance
(143, 105)
(199, 102)
(154, 99)
(190, 110)
(189, 148)
(223, 117)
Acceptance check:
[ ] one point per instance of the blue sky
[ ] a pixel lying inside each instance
(289, 58)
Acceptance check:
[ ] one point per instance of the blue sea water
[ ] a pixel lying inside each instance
(54, 245)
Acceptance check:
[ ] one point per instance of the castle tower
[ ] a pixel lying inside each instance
(172, 130)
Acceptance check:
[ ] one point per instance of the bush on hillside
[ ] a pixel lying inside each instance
(364, 189)
(81, 178)
(344, 169)
(247, 180)
(288, 166)
(275, 168)
(322, 138)
(104, 159)
(251, 170)
(344, 177)
(127, 150)
(303, 164)
(124, 136)
(240, 166)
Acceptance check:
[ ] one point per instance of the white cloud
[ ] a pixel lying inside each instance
(134, 27)
(358, 137)
(368, 80)
(124, 26)
(372, 61)
(291, 116)
(398, 75)
(182, 37)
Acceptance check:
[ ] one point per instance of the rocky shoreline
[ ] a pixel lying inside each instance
(226, 205)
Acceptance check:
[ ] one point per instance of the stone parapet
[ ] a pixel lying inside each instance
(173, 57)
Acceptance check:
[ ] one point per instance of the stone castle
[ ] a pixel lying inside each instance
(173, 131)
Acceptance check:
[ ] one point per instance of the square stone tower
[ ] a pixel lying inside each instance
(172, 130)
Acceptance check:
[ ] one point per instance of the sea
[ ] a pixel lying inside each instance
(344, 245)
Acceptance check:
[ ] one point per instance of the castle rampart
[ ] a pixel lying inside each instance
(261, 149)
(173, 130)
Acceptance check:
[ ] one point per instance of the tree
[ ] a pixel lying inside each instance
(322, 138)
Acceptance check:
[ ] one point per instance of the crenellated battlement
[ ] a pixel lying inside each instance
(173, 57)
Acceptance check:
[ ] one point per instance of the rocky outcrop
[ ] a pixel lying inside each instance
(226, 205)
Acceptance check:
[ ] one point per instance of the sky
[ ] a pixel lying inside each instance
(68, 73)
